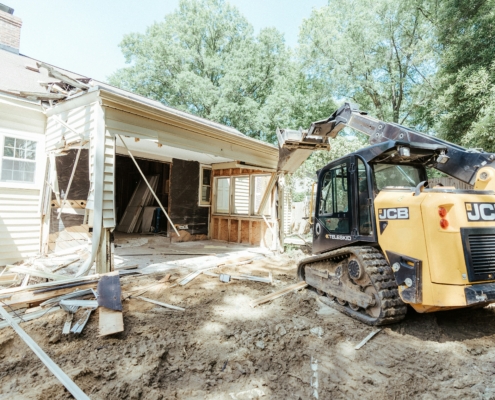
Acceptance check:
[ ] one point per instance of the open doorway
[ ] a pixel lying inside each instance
(137, 211)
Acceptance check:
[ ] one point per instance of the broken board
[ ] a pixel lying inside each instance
(110, 322)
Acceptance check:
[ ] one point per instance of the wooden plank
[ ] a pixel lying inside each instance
(244, 236)
(277, 294)
(54, 368)
(29, 316)
(223, 233)
(110, 322)
(37, 298)
(34, 272)
(255, 233)
(161, 304)
(233, 230)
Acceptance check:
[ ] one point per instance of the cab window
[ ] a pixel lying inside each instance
(396, 175)
(334, 200)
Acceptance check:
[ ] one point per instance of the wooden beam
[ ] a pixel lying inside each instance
(23, 270)
(266, 195)
(64, 78)
(161, 304)
(54, 368)
(277, 294)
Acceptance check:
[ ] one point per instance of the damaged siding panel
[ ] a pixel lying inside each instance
(20, 224)
(81, 119)
(108, 177)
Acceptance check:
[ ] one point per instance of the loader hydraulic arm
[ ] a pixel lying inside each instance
(470, 166)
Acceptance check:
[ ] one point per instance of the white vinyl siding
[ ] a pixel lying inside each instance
(241, 195)
(20, 219)
(222, 195)
(81, 119)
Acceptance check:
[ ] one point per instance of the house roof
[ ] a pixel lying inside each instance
(21, 73)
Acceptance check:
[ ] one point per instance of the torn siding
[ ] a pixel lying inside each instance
(81, 119)
(106, 175)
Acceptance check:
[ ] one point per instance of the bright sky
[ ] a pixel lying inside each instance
(83, 36)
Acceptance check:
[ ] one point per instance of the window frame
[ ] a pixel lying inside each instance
(252, 212)
(40, 165)
(215, 195)
(252, 198)
(201, 202)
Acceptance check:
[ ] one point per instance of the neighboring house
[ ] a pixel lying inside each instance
(211, 179)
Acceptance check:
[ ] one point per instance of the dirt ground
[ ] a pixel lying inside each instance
(221, 348)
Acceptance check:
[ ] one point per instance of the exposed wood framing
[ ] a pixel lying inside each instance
(151, 189)
(266, 195)
(70, 183)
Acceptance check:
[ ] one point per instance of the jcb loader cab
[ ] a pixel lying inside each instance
(383, 239)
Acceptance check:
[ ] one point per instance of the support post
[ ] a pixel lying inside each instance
(149, 187)
(104, 255)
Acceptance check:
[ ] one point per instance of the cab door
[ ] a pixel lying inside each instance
(344, 205)
(333, 212)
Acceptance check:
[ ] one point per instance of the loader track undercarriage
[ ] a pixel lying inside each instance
(360, 281)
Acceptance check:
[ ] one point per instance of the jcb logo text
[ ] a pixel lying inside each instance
(393, 213)
(480, 211)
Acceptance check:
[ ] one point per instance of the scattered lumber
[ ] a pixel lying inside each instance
(366, 339)
(188, 278)
(33, 298)
(244, 277)
(161, 304)
(79, 325)
(143, 290)
(54, 368)
(29, 316)
(277, 294)
(79, 303)
(111, 321)
(34, 272)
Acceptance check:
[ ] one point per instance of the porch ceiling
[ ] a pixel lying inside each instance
(147, 148)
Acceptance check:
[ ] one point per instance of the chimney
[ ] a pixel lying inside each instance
(10, 30)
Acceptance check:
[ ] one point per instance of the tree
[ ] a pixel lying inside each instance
(376, 53)
(464, 110)
(204, 59)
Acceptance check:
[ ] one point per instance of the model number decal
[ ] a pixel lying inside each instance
(393, 213)
(337, 237)
(480, 211)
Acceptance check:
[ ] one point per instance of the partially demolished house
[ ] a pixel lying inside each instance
(82, 160)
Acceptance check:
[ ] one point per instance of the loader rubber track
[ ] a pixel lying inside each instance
(392, 308)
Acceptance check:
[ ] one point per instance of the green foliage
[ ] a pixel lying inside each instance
(376, 53)
(204, 59)
(345, 143)
(464, 110)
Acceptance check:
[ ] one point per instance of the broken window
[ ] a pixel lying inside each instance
(205, 187)
(18, 160)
